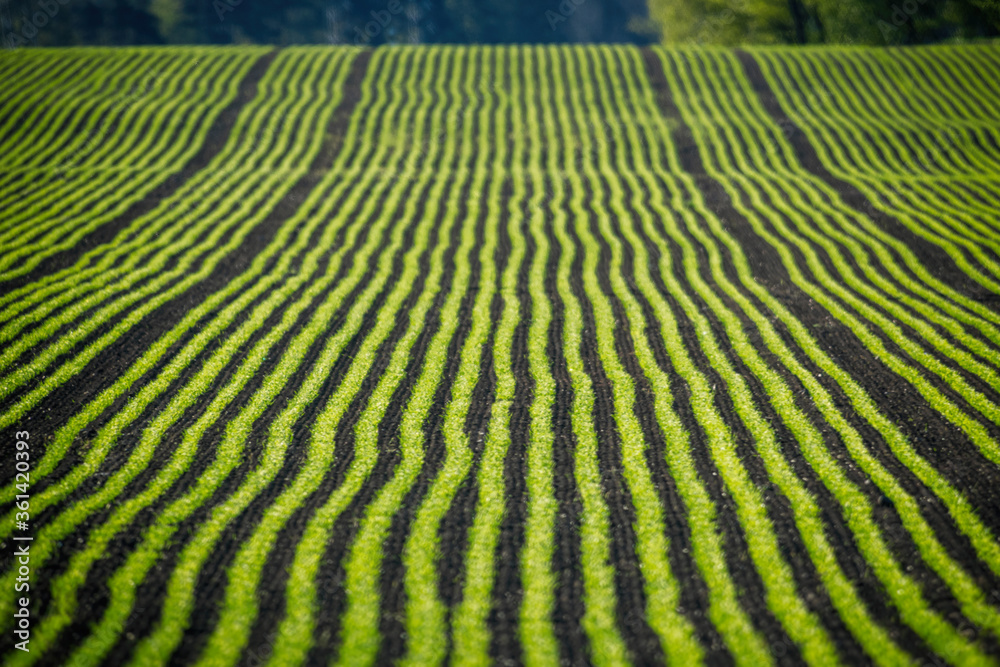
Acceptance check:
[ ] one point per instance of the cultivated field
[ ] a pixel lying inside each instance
(593, 355)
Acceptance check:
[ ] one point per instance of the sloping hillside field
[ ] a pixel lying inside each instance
(519, 355)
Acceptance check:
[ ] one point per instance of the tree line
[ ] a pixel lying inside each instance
(871, 22)
(376, 22)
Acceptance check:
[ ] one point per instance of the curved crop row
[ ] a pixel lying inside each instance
(360, 636)
(139, 135)
(469, 620)
(933, 630)
(926, 201)
(305, 451)
(217, 228)
(110, 433)
(538, 581)
(860, 303)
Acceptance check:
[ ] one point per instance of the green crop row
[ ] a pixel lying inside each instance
(135, 253)
(469, 620)
(599, 594)
(296, 631)
(799, 206)
(62, 190)
(538, 581)
(470, 182)
(426, 614)
(140, 457)
(360, 638)
(740, 119)
(88, 207)
(105, 439)
(928, 201)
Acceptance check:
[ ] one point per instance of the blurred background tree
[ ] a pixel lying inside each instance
(370, 22)
(374, 22)
(876, 22)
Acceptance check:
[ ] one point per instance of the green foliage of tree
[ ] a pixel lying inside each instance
(876, 22)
